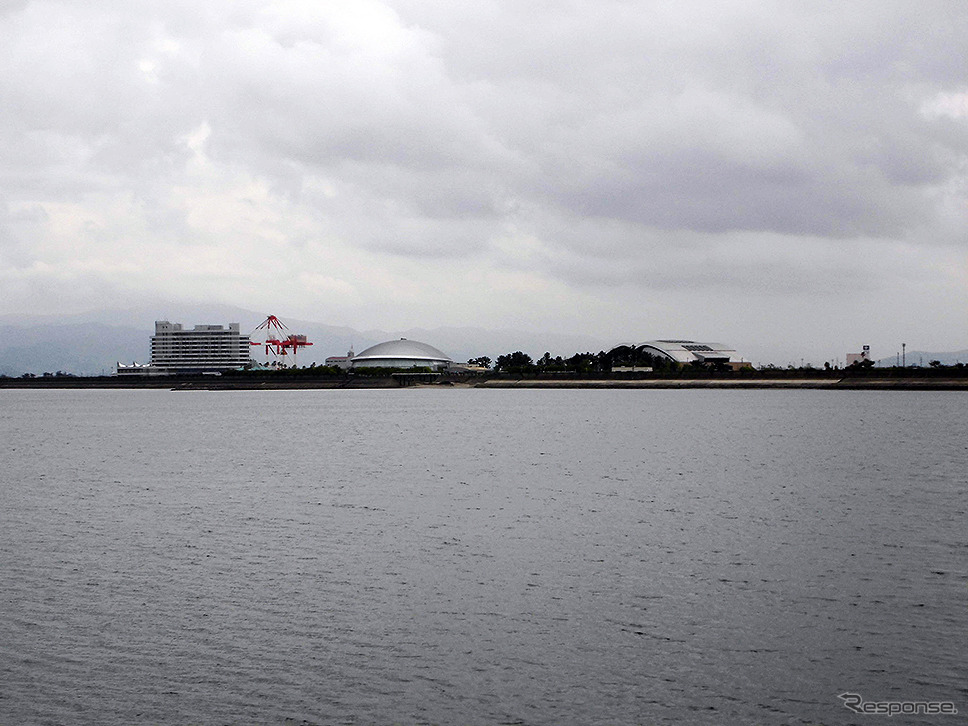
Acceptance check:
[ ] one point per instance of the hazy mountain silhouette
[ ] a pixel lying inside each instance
(91, 343)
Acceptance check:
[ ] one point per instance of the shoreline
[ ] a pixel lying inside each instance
(210, 384)
(873, 384)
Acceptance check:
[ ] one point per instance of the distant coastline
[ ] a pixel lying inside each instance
(869, 384)
(246, 383)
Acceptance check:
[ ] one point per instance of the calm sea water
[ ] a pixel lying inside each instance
(480, 556)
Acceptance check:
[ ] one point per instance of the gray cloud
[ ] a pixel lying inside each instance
(553, 156)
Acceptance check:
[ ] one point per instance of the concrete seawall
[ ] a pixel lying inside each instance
(234, 383)
(872, 384)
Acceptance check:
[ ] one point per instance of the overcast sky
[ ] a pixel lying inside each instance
(788, 178)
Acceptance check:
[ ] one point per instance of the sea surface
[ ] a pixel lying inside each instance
(463, 556)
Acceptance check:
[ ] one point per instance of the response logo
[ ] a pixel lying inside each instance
(856, 703)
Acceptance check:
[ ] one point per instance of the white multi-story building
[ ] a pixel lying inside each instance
(204, 348)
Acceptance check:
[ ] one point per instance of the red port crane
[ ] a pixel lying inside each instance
(278, 340)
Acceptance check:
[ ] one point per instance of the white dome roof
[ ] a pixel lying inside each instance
(403, 349)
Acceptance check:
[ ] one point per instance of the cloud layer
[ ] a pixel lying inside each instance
(793, 180)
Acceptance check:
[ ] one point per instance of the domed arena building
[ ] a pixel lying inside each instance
(402, 353)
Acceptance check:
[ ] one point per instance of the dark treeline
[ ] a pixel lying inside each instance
(597, 364)
(314, 372)
(630, 363)
(620, 363)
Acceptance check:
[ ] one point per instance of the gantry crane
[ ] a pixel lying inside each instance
(278, 340)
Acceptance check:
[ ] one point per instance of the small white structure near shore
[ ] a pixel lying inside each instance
(139, 369)
(341, 361)
(858, 358)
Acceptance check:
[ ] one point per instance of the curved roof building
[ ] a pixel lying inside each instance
(684, 351)
(401, 353)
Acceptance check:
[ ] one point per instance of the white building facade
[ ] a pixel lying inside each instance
(203, 349)
(345, 362)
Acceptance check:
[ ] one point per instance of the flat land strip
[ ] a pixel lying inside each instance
(879, 384)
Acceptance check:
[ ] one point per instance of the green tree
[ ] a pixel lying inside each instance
(586, 364)
(516, 362)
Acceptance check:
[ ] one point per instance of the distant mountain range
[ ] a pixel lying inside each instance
(92, 343)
